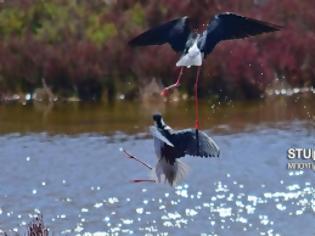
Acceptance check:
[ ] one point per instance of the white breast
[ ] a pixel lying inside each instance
(192, 58)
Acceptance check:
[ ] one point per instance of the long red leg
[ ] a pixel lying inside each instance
(135, 158)
(196, 99)
(177, 83)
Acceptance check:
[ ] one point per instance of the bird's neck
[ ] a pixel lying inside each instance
(161, 125)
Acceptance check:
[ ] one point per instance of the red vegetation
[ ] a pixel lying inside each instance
(81, 48)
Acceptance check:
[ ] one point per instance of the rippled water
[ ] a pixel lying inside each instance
(79, 180)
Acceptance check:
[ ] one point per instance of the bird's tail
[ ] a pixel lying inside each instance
(164, 172)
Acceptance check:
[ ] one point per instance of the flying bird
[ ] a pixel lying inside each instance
(170, 145)
(194, 47)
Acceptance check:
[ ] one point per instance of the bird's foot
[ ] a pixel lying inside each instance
(166, 91)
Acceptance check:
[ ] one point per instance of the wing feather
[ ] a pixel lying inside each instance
(157, 134)
(195, 143)
(228, 25)
(174, 32)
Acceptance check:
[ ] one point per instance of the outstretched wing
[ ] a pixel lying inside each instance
(174, 32)
(227, 25)
(157, 134)
(194, 143)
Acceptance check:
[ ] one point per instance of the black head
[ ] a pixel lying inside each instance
(157, 117)
(158, 120)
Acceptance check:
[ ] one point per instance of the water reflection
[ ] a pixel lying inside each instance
(75, 118)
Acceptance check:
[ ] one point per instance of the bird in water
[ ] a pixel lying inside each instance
(194, 47)
(170, 145)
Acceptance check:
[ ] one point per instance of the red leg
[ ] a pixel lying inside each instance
(196, 99)
(135, 158)
(177, 83)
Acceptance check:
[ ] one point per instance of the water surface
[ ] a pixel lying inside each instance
(64, 162)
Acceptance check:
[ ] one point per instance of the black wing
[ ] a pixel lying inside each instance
(227, 25)
(194, 143)
(174, 32)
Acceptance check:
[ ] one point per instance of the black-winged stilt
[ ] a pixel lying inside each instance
(194, 47)
(170, 145)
